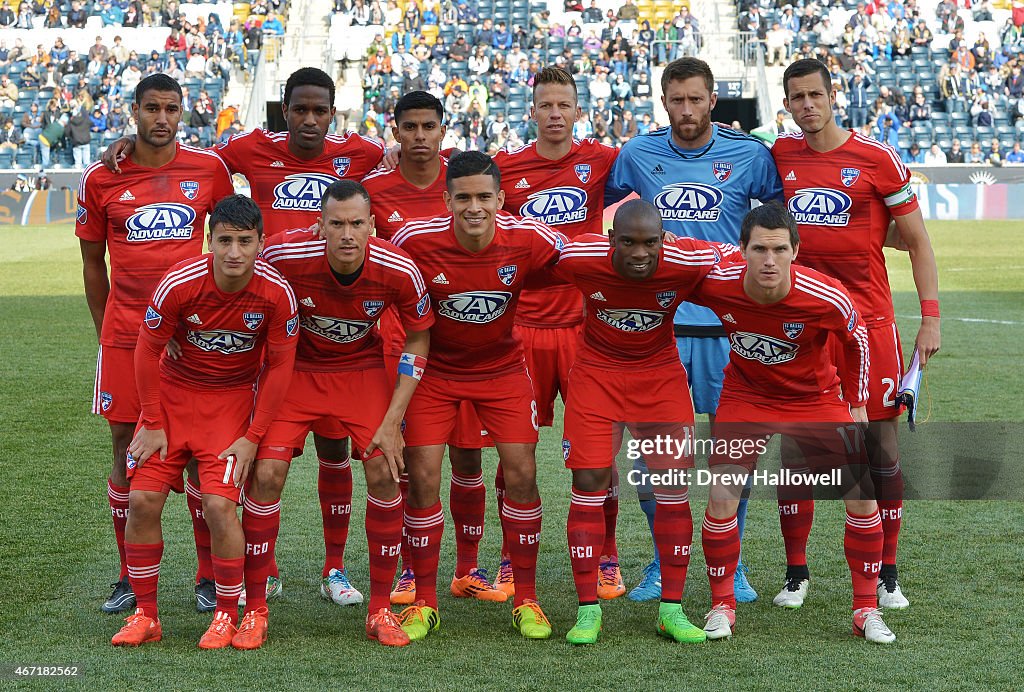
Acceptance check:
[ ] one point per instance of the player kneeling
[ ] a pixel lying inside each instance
(235, 318)
(780, 379)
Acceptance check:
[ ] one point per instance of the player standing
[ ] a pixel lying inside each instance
(781, 379)
(236, 319)
(702, 178)
(148, 218)
(843, 189)
(478, 259)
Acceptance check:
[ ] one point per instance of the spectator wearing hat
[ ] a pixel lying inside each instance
(459, 51)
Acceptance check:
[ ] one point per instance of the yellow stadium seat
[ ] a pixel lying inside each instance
(430, 32)
(240, 11)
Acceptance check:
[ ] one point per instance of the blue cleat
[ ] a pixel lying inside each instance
(649, 588)
(741, 587)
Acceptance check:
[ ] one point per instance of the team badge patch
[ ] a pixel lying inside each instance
(507, 274)
(252, 320)
(293, 326)
(665, 298)
(83, 215)
(583, 172)
(566, 449)
(341, 165)
(849, 176)
(372, 307)
(106, 400)
(153, 318)
(722, 170)
(792, 329)
(189, 188)
(852, 323)
(130, 462)
(423, 306)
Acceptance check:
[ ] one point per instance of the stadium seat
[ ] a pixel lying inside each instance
(6, 158)
(26, 158)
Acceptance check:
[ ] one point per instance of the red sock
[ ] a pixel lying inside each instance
(144, 573)
(403, 489)
(611, 516)
(863, 546)
(796, 518)
(891, 512)
(194, 500)
(521, 526)
(117, 496)
(499, 495)
(334, 484)
(228, 575)
(384, 540)
(673, 532)
(260, 523)
(424, 528)
(467, 503)
(721, 540)
(585, 531)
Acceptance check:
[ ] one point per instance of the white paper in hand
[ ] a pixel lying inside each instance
(910, 387)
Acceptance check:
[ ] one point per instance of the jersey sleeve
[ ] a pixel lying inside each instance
(282, 334)
(892, 180)
(845, 322)
(769, 184)
(547, 244)
(158, 326)
(413, 301)
(91, 219)
(282, 340)
(222, 185)
(236, 152)
(620, 181)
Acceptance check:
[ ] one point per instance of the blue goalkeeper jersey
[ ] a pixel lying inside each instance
(702, 193)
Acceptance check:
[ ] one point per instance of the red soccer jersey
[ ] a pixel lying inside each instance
(339, 323)
(395, 201)
(475, 293)
(628, 324)
(288, 189)
(222, 335)
(843, 200)
(779, 351)
(150, 218)
(566, 194)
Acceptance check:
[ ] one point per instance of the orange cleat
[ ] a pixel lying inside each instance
(220, 633)
(405, 589)
(475, 585)
(506, 582)
(383, 627)
(252, 631)
(609, 578)
(138, 629)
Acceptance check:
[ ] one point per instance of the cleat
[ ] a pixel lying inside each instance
(890, 595)
(123, 598)
(741, 587)
(609, 579)
(649, 588)
(719, 623)
(405, 590)
(138, 629)
(336, 587)
(384, 627)
(206, 596)
(531, 621)
(275, 587)
(252, 631)
(505, 582)
(419, 620)
(588, 625)
(475, 585)
(793, 593)
(867, 623)
(220, 633)
(673, 624)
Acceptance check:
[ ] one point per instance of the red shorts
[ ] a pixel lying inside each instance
(353, 402)
(199, 424)
(885, 374)
(823, 429)
(504, 404)
(650, 403)
(469, 432)
(115, 396)
(550, 354)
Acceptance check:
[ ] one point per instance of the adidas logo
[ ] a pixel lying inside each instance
(194, 319)
(440, 279)
(277, 164)
(308, 302)
(729, 318)
(658, 170)
(127, 197)
(395, 217)
(598, 296)
(522, 184)
(791, 176)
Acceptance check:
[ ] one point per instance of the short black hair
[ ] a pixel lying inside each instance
(419, 101)
(472, 163)
(638, 211)
(238, 211)
(156, 82)
(341, 190)
(804, 67)
(308, 76)
(771, 216)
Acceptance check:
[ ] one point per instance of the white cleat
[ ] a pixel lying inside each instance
(719, 622)
(793, 593)
(890, 595)
(336, 587)
(868, 623)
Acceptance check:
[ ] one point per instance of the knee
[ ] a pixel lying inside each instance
(144, 508)
(268, 477)
(465, 462)
(591, 480)
(219, 511)
(330, 449)
(379, 482)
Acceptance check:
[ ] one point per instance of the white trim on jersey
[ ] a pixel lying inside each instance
(387, 258)
(187, 273)
(730, 273)
(267, 271)
(897, 162)
(85, 176)
(825, 292)
(212, 154)
(96, 406)
(305, 248)
(420, 226)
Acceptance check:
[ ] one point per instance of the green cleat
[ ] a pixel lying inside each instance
(531, 621)
(588, 625)
(418, 620)
(672, 623)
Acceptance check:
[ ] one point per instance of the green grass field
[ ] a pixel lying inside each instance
(960, 561)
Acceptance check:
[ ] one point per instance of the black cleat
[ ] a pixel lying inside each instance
(123, 598)
(206, 596)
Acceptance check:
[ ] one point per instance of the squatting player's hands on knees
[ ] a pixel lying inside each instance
(244, 452)
(146, 443)
(173, 349)
(388, 439)
(860, 415)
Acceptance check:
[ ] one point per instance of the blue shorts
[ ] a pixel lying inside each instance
(705, 359)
